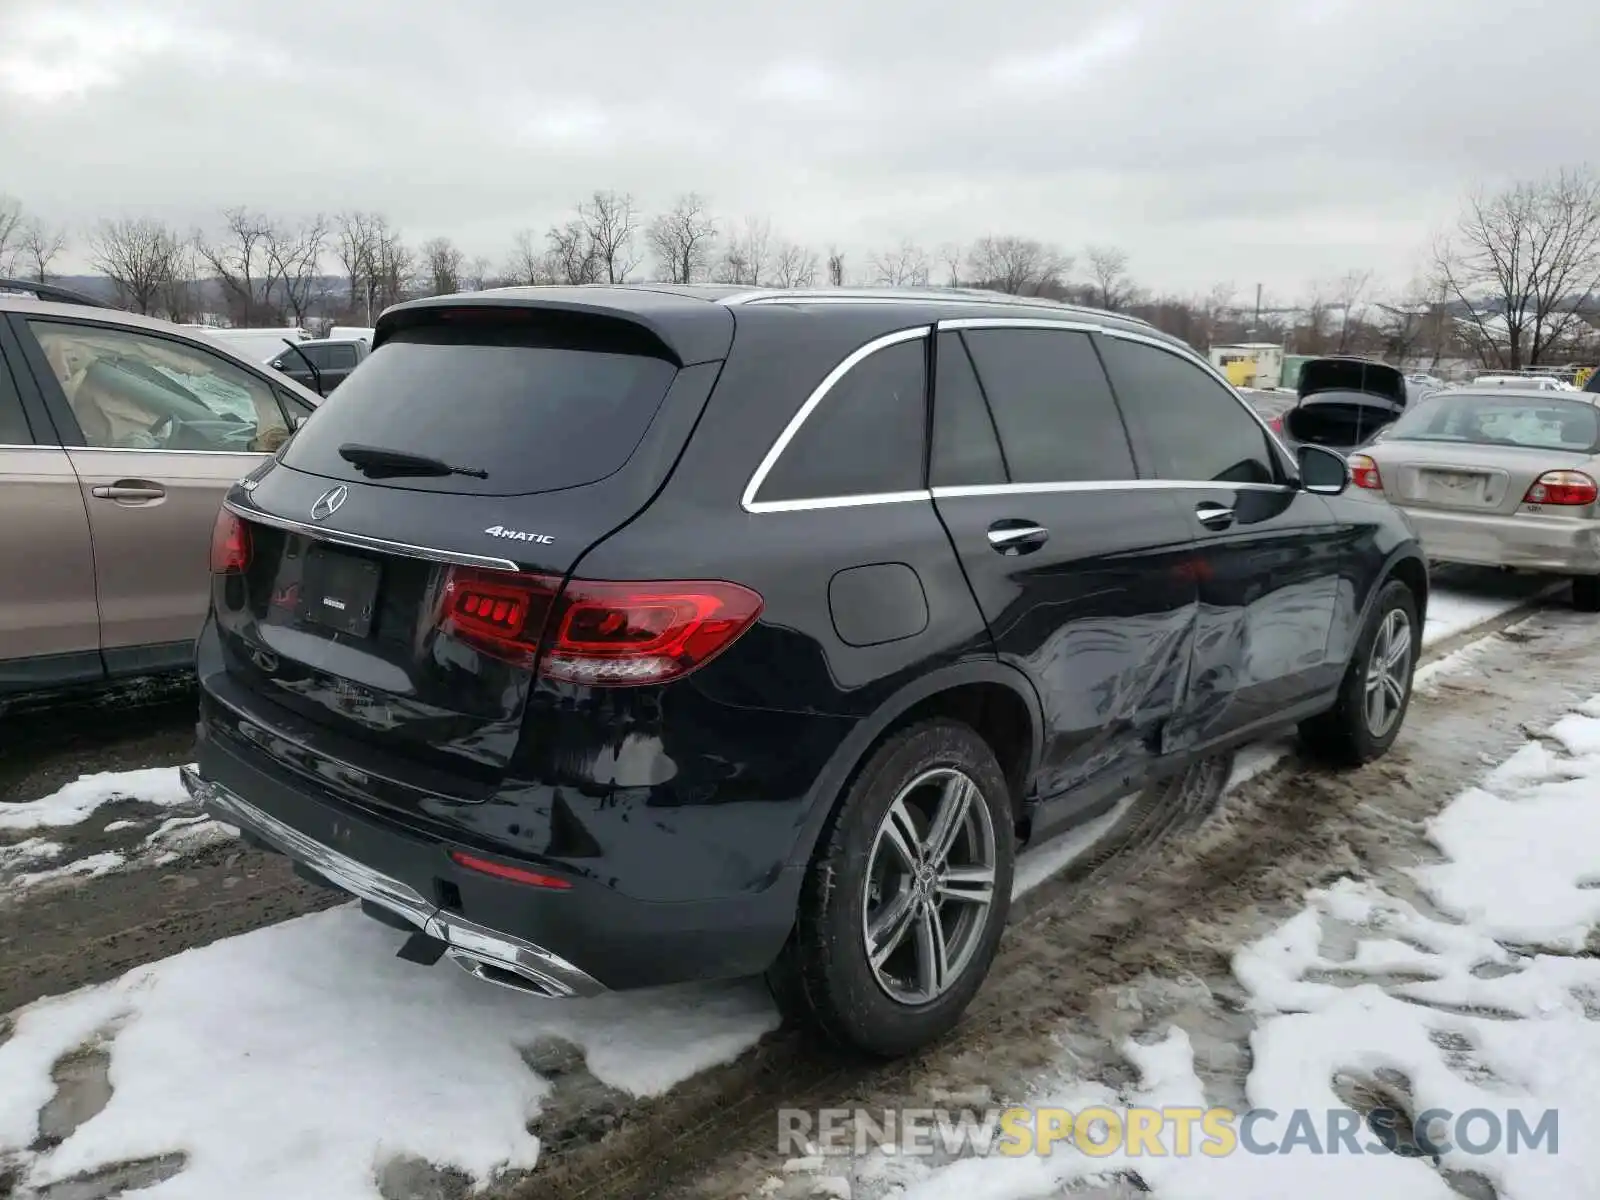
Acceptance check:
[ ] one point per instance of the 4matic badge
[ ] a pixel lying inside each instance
(517, 535)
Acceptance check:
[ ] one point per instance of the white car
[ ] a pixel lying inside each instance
(1537, 383)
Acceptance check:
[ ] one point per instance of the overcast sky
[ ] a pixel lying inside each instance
(1272, 141)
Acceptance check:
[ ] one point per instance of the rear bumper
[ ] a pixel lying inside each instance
(576, 941)
(1527, 541)
(481, 950)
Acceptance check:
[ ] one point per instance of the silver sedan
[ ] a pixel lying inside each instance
(1502, 477)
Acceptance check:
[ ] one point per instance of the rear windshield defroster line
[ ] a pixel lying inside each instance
(532, 414)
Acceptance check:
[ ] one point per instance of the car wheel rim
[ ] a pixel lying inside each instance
(929, 886)
(1388, 672)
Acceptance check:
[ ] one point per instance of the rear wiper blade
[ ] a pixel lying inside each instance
(378, 463)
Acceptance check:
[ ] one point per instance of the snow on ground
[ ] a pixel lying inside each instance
(32, 862)
(1479, 993)
(300, 1058)
(293, 1061)
(78, 800)
(1453, 610)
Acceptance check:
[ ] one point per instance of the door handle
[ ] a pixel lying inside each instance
(130, 490)
(1008, 537)
(1214, 516)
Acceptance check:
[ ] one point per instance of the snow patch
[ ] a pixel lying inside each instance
(290, 1061)
(1440, 1002)
(79, 799)
(84, 868)
(1043, 862)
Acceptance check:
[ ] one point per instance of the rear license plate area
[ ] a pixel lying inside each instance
(339, 591)
(1455, 487)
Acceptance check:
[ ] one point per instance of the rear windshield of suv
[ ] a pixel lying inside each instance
(1534, 423)
(531, 413)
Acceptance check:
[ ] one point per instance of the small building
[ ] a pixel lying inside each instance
(1250, 364)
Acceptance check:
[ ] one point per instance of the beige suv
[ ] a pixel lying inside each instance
(119, 435)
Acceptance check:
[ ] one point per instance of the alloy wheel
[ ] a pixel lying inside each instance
(1388, 672)
(930, 886)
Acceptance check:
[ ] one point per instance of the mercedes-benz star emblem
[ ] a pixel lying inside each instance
(328, 503)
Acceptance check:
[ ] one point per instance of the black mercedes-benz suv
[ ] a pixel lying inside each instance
(610, 637)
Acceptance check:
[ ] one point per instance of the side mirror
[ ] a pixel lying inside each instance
(1323, 471)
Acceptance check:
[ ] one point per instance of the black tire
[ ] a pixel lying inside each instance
(1344, 734)
(824, 977)
(1586, 593)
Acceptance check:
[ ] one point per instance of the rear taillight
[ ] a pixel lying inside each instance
(621, 633)
(230, 544)
(1276, 424)
(1364, 473)
(596, 632)
(1562, 487)
(501, 613)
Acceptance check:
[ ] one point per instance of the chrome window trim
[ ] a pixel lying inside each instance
(861, 501)
(1065, 323)
(1189, 356)
(159, 450)
(958, 491)
(748, 500)
(359, 541)
(975, 490)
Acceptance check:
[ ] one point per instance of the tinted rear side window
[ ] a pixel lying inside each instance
(535, 413)
(13, 423)
(1049, 395)
(966, 450)
(1192, 427)
(865, 438)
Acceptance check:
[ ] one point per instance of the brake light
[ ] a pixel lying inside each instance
(230, 544)
(501, 613)
(1276, 424)
(504, 871)
(1364, 472)
(629, 633)
(596, 632)
(1562, 487)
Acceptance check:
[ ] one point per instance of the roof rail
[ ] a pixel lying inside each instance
(49, 291)
(932, 295)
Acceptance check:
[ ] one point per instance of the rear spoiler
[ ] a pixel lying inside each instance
(684, 330)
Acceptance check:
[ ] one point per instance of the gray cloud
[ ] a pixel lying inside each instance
(1246, 140)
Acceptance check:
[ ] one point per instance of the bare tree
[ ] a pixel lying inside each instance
(392, 269)
(1522, 262)
(475, 275)
(529, 264)
(294, 265)
(682, 239)
(1405, 320)
(11, 230)
(951, 256)
(240, 260)
(180, 294)
(1108, 268)
(1347, 296)
(137, 255)
(610, 220)
(1020, 266)
(442, 265)
(794, 265)
(835, 266)
(573, 257)
(356, 240)
(39, 246)
(906, 265)
(747, 258)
